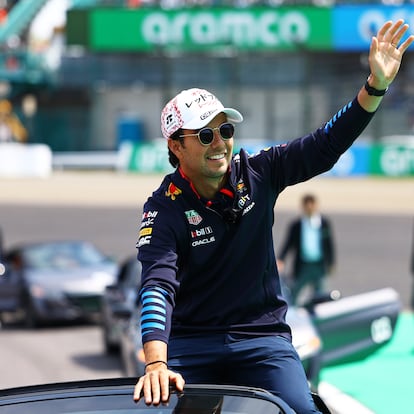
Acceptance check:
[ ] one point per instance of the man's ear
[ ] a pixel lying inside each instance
(174, 145)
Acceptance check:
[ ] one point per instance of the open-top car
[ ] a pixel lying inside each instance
(114, 396)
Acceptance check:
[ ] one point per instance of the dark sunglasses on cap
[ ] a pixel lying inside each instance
(206, 135)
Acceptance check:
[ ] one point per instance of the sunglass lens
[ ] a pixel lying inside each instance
(206, 136)
(227, 131)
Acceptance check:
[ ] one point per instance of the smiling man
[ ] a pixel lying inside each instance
(212, 307)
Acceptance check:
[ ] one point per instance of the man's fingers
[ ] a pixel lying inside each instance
(178, 381)
(384, 29)
(404, 46)
(138, 389)
(165, 380)
(152, 389)
(155, 386)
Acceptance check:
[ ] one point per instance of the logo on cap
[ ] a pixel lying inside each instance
(193, 109)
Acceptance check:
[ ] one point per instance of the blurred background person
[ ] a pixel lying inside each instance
(11, 129)
(310, 240)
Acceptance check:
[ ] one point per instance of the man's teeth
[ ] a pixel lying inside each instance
(216, 157)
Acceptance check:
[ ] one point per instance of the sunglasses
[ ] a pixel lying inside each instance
(206, 135)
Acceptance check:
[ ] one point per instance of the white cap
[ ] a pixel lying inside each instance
(193, 109)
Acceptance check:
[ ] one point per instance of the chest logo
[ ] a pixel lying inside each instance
(193, 217)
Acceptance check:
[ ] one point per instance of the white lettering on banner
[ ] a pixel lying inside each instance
(239, 28)
(294, 28)
(155, 28)
(397, 161)
(202, 30)
(372, 20)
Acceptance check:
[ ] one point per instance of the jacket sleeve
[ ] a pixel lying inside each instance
(316, 153)
(157, 252)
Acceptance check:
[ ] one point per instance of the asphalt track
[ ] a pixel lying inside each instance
(373, 227)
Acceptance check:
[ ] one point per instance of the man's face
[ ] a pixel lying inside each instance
(310, 208)
(204, 162)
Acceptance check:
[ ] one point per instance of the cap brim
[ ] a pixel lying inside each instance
(233, 115)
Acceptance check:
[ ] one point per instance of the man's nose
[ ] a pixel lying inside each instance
(217, 139)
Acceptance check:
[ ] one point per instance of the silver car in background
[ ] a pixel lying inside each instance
(55, 281)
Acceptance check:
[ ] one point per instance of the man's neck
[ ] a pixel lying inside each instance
(206, 188)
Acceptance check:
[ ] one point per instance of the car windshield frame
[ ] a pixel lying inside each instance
(114, 396)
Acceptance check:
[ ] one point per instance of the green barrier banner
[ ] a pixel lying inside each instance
(385, 160)
(148, 158)
(392, 160)
(210, 29)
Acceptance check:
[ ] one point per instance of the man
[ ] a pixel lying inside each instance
(212, 309)
(310, 240)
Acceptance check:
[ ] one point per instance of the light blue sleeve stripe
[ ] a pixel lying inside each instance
(154, 325)
(332, 121)
(154, 292)
(149, 308)
(154, 300)
(153, 316)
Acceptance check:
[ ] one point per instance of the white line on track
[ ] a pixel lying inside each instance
(339, 402)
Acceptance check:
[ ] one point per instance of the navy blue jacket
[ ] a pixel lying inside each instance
(209, 265)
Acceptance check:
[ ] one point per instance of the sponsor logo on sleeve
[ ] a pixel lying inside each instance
(145, 231)
(148, 219)
(149, 214)
(244, 201)
(143, 241)
(241, 187)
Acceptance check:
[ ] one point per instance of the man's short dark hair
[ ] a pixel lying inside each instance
(171, 156)
(308, 198)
